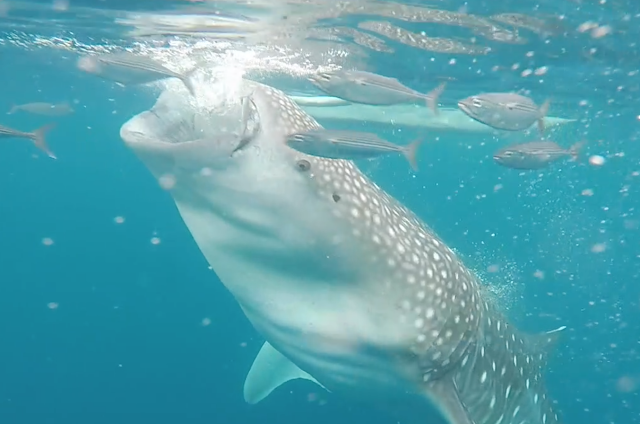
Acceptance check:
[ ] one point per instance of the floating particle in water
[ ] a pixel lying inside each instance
(52, 305)
(627, 384)
(497, 187)
(587, 26)
(206, 322)
(587, 192)
(493, 268)
(598, 248)
(601, 31)
(60, 5)
(596, 160)
(526, 72)
(206, 172)
(243, 344)
(541, 70)
(452, 62)
(47, 241)
(539, 274)
(167, 181)
(155, 240)
(119, 219)
(312, 397)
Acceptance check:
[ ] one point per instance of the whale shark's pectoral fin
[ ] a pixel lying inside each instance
(444, 394)
(270, 369)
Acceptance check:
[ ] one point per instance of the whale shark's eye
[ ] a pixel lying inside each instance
(303, 165)
(335, 197)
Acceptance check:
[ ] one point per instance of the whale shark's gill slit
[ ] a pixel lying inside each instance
(349, 287)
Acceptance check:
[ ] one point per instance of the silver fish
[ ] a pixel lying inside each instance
(372, 89)
(47, 109)
(37, 136)
(534, 155)
(350, 145)
(505, 111)
(128, 68)
(350, 289)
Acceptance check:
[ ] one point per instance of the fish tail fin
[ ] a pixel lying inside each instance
(410, 152)
(189, 84)
(575, 150)
(544, 109)
(40, 141)
(433, 95)
(188, 81)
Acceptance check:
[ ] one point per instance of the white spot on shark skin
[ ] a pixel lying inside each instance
(515, 411)
(360, 258)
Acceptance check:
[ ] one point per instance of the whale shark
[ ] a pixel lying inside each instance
(349, 288)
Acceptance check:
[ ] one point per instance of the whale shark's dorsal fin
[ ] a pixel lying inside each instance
(270, 370)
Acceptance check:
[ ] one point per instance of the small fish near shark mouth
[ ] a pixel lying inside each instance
(350, 289)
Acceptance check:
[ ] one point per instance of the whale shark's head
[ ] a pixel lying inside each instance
(345, 282)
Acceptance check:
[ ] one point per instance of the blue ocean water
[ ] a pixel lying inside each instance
(110, 313)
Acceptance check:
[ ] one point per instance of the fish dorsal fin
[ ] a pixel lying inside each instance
(444, 394)
(544, 343)
(270, 370)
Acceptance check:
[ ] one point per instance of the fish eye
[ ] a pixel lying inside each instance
(325, 77)
(303, 165)
(508, 153)
(297, 137)
(476, 102)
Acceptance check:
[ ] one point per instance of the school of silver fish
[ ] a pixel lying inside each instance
(501, 111)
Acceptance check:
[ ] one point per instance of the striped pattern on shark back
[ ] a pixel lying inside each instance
(499, 379)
